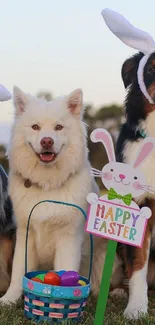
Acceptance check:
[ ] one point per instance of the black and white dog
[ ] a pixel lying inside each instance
(7, 233)
(138, 74)
(140, 123)
(7, 222)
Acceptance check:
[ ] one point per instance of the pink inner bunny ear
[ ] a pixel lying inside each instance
(147, 147)
(101, 135)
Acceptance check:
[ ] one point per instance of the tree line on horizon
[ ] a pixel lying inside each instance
(109, 117)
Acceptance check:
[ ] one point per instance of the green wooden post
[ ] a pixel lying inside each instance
(105, 282)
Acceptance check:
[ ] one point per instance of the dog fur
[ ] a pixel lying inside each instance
(56, 235)
(7, 233)
(140, 116)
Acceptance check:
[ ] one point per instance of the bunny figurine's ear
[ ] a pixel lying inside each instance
(101, 135)
(4, 94)
(127, 33)
(146, 149)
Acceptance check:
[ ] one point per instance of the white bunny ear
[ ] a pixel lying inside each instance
(102, 135)
(4, 94)
(146, 149)
(127, 33)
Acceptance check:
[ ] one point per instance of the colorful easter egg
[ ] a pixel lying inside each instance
(82, 283)
(69, 279)
(61, 272)
(52, 279)
(37, 280)
(41, 276)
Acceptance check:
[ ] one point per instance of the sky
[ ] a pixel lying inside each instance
(61, 45)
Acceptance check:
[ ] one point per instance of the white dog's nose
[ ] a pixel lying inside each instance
(47, 142)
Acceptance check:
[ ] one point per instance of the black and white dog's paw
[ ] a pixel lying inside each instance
(119, 293)
(135, 310)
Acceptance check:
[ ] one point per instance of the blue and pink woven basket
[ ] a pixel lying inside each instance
(54, 304)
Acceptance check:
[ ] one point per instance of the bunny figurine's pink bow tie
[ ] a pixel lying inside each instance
(114, 195)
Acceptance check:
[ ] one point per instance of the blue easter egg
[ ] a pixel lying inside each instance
(61, 272)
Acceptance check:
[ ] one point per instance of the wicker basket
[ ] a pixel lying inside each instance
(54, 304)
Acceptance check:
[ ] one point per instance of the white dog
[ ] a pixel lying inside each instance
(49, 161)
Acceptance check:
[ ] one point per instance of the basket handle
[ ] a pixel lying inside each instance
(67, 204)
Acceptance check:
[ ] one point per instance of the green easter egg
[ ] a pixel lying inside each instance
(41, 276)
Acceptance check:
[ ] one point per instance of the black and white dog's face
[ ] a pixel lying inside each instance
(130, 68)
(140, 114)
(7, 223)
(149, 76)
(137, 106)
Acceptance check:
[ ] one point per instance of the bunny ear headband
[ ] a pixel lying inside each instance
(4, 94)
(133, 37)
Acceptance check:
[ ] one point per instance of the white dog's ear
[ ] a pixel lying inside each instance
(75, 101)
(20, 100)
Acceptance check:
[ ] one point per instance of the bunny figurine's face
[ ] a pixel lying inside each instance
(123, 178)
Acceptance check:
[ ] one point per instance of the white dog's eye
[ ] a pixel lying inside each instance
(35, 127)
(111, 170)
(135, 177)
(58, 127)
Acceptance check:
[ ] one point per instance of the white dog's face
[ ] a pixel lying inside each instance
(48, 128)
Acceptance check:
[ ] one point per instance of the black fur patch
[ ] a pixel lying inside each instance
(7, 221)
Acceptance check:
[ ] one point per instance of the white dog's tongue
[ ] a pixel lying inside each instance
(47, 157)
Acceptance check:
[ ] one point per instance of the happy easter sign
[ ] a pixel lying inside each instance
(116, 215)
(117, 222)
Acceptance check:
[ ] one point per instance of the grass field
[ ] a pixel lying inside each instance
(14, 315)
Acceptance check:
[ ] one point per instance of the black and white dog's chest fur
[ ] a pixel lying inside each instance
(127, 146)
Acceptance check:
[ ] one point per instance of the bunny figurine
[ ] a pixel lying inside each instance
(123, 181)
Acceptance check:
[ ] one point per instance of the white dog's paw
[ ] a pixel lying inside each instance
(119, 293)
(145, 213)
(9, 299)
(92, 198)
(5, 301)
(135, 311)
